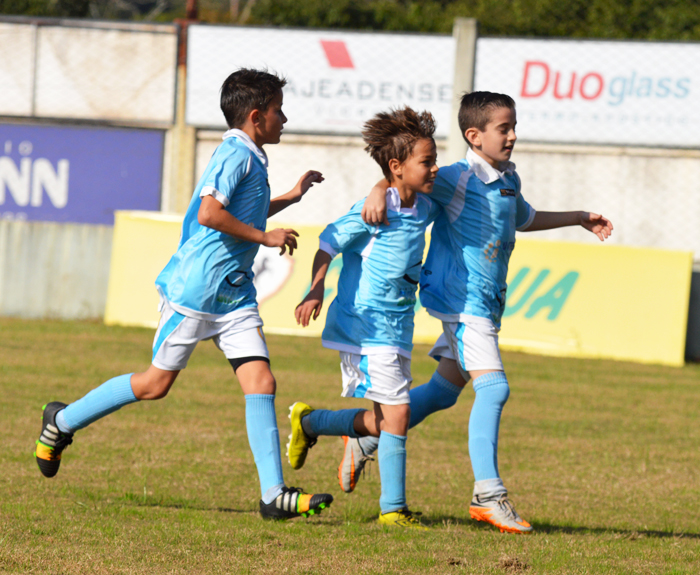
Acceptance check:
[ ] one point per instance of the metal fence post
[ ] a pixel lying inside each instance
(183, 138)
(465, 32)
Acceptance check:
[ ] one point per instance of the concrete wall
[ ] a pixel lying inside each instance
(54, 270)
(67, 69)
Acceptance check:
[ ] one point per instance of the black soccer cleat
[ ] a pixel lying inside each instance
(293, 502)
(52, 441)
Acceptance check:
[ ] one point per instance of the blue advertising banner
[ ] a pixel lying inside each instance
(79, 175)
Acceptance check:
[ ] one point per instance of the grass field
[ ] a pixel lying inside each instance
(601, 457)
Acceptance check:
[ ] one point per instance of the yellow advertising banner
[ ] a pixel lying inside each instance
(583, 300)
(563, 299)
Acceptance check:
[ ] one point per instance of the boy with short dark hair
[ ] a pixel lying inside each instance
(370, 322)
(207, 292)
(463, 284)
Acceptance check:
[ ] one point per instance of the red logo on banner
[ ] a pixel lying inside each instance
(337, 54)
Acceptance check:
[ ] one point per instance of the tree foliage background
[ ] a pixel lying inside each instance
(616, 19)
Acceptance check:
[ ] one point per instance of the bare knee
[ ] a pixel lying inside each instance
(256, 378)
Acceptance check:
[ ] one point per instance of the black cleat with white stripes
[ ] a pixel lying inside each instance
(294, 502)
(52, 441)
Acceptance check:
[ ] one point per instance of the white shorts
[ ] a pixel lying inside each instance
(178, 335)
(473, 344)
(383, 377)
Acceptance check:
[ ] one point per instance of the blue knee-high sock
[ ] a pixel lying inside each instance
(264, 440)
(392, 469)
(492, 392)
(436, 395)
(103, 400)
(327, 422)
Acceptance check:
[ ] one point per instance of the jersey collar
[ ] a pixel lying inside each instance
(246, 139)
(485, 171)
(393, 203)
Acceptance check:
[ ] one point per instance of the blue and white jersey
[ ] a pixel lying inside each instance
(464, 275)
(210, 276)
(373, 311)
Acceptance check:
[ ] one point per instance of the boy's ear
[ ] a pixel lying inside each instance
(396, 167)
(473, 136)
(254, 117)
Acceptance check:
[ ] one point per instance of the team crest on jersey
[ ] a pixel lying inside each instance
(508, 192)
(491, 251)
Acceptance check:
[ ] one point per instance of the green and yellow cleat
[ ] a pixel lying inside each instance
(294, 502)
(52, 441)
(401, 518)
(299, 442)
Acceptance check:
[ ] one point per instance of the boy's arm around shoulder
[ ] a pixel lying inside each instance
(311, 305)
(213, 214)
(374, 210)
(594, 223)
(296, 193)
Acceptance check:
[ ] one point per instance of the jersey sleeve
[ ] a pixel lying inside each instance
(524, 213)
(342, 234)
(221, 182)
(434, 209)
(445, 185)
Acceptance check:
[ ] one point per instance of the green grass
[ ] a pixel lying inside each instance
(601, 457)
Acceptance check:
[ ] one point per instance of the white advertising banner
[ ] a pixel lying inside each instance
(16, 69)
(335, 80)
(631, 93)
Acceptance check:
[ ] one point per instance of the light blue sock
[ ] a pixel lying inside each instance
(392, 470)
(264, 440)
(327, 422)
(436, 395)
(103, 400)
(492, 392)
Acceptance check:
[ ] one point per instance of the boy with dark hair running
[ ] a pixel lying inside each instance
(207, 292)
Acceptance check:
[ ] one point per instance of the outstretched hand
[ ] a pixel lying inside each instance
(281, 238)
(305, 183)
(309, 308)
(597, 224)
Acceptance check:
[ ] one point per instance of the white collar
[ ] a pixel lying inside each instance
(393, 203)
(485, 171)
(247, 140)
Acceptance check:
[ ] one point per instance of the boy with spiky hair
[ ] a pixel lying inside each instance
(207, 292)
(463, 284)
(370, 322)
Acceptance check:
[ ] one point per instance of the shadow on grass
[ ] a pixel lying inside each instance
(140, 501)
(631, 534)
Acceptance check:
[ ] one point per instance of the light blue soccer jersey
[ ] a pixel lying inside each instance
(210, 276)
(471, 242)
(373, 311)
